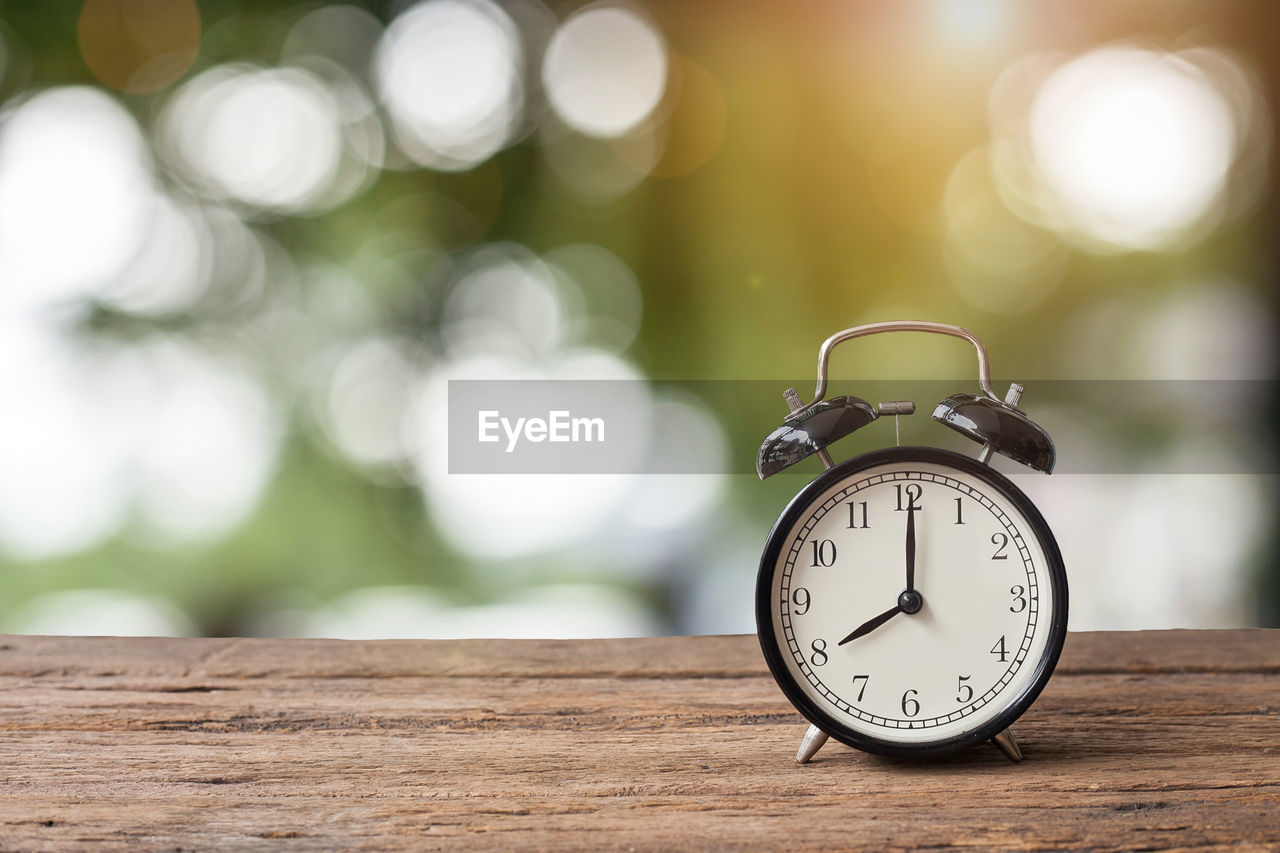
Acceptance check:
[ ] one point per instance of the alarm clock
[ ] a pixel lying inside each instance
(910, 601)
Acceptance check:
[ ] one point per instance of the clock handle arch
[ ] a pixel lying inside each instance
(824, 353)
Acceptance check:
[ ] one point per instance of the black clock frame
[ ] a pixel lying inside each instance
(772, 649)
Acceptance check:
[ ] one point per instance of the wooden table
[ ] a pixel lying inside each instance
(1141, 741)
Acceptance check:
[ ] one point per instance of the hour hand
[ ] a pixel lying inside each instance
(872, 624)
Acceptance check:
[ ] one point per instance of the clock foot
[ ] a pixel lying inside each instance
(814, 738)
(1008, 744)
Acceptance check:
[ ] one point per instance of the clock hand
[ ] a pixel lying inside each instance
(871, 624)
(911, 548)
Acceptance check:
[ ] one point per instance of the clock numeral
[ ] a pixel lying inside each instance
(824, 552)
(910, 706)
(854, 515)
(999, 649)
(959, 512)
(819, 651)
(912, 492)
(1001, 541)
(800, 601)
(966, 692)
(863, 687)
(1019, 599)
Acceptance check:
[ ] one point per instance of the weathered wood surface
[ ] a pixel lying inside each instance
(1142, 741)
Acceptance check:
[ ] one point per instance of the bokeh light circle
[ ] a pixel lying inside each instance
(206, 437)
(537, 513)
(1219, 330)
(600, 171)
(695, 127)
(173, 267)
(448, 74)
(505, 301)
(65, 486)
(601, 296)
(995, 260)
(76, 194)
(139, 46)
(1135, 145)
(342, 34)
(605, 70)
(367, 398)
(686, 436)
(270, 138)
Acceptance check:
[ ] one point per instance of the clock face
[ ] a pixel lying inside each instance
(912, 664)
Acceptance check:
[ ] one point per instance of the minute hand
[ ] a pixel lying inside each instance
(872, 624)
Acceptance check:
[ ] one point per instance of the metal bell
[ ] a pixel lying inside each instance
(815, 428)
(1001, 426)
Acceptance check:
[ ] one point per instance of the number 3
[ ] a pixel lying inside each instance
(1019, 598)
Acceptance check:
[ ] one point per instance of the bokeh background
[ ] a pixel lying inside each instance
(244, 246)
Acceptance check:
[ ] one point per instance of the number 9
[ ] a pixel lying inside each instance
(801, 602)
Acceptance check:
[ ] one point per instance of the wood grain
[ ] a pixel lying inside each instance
(1142, 741)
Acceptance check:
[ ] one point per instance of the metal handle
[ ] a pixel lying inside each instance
(824, 354)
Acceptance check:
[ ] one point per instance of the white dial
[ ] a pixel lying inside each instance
(925, 654)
